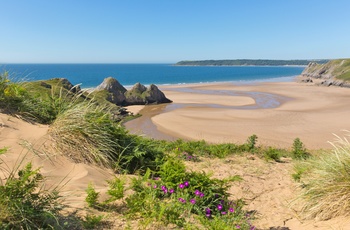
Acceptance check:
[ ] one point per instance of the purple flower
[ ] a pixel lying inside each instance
(193, 201)
(238, 227)
(183, 201)
(197, 192)
(155, 186)
(231, 210)
(223, 213)
(156, 178)
(219, 207)
(163, 187)
(181, 186)
(222, 201)
(165, 190)
(208, 215)
(201, 195)
(207, 211)
(171, 190)
(186, 183)
(180, 199)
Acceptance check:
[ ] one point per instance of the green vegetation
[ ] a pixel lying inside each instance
(163, 191)
(247, 62)
(24, 204)
(92, 196)
(338, 69)
(299, 151)
(343, 71)
(325, 180)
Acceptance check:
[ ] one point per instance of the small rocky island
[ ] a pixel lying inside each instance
(332, 73)
(139, 94)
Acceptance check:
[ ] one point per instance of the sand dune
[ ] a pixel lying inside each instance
(71, 178)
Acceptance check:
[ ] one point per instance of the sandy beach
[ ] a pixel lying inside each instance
(276, 112)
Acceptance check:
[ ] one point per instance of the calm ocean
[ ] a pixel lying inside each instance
(91, 75)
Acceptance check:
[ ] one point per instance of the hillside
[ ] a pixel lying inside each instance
(335, 72)
(247, 62)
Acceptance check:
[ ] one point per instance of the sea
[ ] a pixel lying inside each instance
(91, 75)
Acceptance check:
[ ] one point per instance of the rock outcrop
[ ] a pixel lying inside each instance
(115, 90)
(58, 83)
(137, 95)
(154, 95)
(332, 73)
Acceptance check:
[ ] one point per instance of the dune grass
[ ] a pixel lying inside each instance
(86, 133)
(325, 191)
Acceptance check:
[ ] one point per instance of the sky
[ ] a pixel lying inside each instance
(168, 31)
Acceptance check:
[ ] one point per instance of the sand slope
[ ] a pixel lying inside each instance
(72, 178)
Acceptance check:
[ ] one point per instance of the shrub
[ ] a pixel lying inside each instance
(116, 189)
(24, 205)
(325, 188)
(92, 196)
(92, 221)
(272, 154)
(11, 94)
(251, 142)
(200, 148)
(181, 197)
(298, 150)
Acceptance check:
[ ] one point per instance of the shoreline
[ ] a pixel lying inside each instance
(308, 112)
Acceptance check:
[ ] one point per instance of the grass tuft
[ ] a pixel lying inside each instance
(86, 133)
(326, 185)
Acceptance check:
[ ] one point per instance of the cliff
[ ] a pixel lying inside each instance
(332, 73)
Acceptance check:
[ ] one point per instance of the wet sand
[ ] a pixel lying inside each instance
(276, 112)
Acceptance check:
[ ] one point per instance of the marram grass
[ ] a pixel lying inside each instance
(85, 133)
(325, 192)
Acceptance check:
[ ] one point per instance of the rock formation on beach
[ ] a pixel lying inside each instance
(115, 90)
(137, 95)
(332, 73)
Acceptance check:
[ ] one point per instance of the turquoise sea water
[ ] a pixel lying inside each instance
(91, 75)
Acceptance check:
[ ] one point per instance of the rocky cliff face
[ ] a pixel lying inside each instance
(138, 95)
(332, 73)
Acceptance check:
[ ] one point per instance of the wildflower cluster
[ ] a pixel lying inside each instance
(178, 195)
(212, 206)
(188, 157)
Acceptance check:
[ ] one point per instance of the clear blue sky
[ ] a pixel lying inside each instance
(164, 31)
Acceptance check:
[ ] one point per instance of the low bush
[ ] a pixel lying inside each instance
(272, 154)
(24, 205)
(298, 150)
(175, 196)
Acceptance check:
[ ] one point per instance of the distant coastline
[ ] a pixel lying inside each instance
(249, 62)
